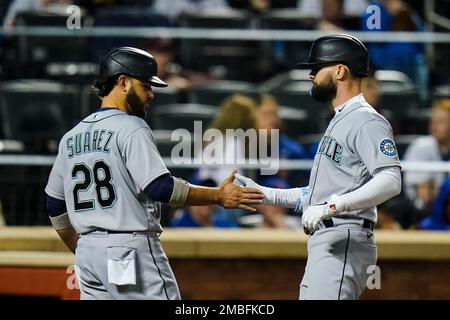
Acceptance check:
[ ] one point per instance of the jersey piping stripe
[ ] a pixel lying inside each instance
(113, 115)
(345, 262)
(318, 163)
(159, 271)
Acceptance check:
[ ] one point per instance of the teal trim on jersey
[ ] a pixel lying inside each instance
(104, 109)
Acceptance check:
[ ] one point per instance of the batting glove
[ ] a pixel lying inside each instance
(316, 213)
(249, 183)
(286, 198)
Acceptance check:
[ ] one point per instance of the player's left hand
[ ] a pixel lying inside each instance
(316, 213)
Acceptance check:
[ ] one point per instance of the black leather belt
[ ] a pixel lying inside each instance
(123, 232)
(367, 224)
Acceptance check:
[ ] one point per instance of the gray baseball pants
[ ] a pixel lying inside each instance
(338, 258)
(100, 256)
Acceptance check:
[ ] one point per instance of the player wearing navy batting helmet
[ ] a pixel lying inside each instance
(356, 168)
(109, 180)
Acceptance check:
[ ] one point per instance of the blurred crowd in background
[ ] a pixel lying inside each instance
(45, 90)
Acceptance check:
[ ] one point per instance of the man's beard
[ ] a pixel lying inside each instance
(135, 106)
(324, 92)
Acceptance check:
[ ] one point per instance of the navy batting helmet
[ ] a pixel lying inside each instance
(132, 62)
(342, 48)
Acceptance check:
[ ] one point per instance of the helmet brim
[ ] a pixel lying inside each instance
(310, 65)
(157, 82)
(306, 65)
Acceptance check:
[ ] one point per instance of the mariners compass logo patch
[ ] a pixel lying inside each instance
(388, 147)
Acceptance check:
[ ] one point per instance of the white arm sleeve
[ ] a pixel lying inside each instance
(385, 184)
(286, 198)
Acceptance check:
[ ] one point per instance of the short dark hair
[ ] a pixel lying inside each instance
(104, 88)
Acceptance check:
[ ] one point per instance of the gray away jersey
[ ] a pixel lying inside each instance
(357, 142)
(102, 167)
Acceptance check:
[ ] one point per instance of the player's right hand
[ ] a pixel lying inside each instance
(235, 196)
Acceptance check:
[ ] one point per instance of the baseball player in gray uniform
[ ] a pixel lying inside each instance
(107, 183)
(355, 169)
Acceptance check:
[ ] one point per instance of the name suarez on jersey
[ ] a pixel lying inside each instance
(89, 141)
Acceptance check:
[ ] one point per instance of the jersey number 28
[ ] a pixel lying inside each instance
(102, 183)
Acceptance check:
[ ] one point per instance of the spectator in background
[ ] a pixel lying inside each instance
(386, 220)
(236, 112)
(173, 8)
(259, 6)
(224, 152)
(332, 14)
(439, 218)
(202, 216)
(268, 118)
(313, 8)
(18, 6)
(396, 214)
(422, 187)
(409, 58)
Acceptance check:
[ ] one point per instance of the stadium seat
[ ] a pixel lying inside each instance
(309, 117)
(89, 101)
(166, 144)
(213, 93)
(416, 121)
(287, 19)
(22, 194)
(230, 59)
(119, 16)
(441, 92)
(393, 81)
(167, 95)
(400, 102)
(402, 106)
(295, 121)
(35, 52)
(180, 116)
(280, 81)
(234, 19)
(37, 112)
(284, 55)
(242, 4)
